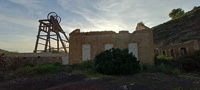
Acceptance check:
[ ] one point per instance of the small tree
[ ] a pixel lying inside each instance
(176, 13)
(142, 23)
(116, 62)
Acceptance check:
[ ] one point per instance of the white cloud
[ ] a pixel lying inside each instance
(110, 15)
(31, 4)
(117, 15)
(96, 15)
(20, 21)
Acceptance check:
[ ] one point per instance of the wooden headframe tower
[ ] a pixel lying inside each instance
(52, 31)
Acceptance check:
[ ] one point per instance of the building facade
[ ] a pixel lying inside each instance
(179, 49)
(84, 46)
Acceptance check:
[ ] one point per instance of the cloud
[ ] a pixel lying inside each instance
(117, 15)
(33, 4)
(20, 21)
(114, 14)
(96, 17)
(19, 18)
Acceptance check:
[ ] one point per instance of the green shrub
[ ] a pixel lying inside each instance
(148, 67)
(187, 63)
(116, 62)
(176, 71)
(28, 69)
(86, 65)
(13, 52)
(163, 59)
(38, 70)
(164, 68)
(47, 69)
(57, 64)
(1, 53)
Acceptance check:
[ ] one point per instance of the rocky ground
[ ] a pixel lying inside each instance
(141, 81)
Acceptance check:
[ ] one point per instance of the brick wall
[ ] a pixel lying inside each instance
(190, 47)
(97, 41)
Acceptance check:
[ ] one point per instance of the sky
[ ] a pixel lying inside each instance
(19, 18)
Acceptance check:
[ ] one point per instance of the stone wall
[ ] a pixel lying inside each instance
(98, 40)
(199, 45)
(32, 59)
(178, 49)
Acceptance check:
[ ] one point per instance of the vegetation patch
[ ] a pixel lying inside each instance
(38, 70)
(116, 62)
(185, 64)
(1, 53)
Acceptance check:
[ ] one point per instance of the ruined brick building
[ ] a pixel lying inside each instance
(85, 45)
(178, 49)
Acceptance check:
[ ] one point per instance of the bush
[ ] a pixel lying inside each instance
(163, 59)
(148, 67)
(38, 70)
(164, 68)
(57, 64)
(176, 71)
(1, 53)
(13, 52)
(116, 62)
(47, 69)
(187, 63)
(86, 65)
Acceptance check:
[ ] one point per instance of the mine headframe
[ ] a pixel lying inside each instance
(50, 29)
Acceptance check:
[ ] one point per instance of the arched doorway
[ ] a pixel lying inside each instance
(163, 52)
(183, 51)
(172, 53)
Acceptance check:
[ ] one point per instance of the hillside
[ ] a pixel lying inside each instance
(179, 30)
(1, 50)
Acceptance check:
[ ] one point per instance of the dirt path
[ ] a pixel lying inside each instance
(144, 81)
(42, 84)
(141, 81)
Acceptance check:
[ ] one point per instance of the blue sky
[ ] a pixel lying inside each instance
(19, 18)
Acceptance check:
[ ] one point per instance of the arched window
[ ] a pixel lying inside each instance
(132, 48)
(172, 53)
(86, 52)
(163, 52)
(183, 51)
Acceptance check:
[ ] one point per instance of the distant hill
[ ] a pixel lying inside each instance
(179, 30)
(1, 50)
